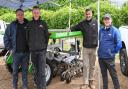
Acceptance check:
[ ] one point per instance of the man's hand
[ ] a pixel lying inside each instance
(68, 30)
(3, 52)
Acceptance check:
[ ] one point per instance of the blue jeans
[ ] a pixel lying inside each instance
(109, 64)
(20, 59)
(39, 61)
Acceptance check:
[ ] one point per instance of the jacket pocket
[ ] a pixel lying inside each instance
(110, 52)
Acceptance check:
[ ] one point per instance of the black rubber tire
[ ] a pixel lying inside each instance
(51, 68)
(48, 81)
(62, 77)
(123, 61)
(54, 67)
(9, 67)
(68, 78)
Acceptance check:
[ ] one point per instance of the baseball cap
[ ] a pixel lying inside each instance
(107, 16)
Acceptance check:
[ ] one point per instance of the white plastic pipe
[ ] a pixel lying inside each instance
(98, 16)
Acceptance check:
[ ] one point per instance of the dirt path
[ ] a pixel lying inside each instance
(6, 80)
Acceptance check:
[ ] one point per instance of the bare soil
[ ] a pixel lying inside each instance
(6, 80)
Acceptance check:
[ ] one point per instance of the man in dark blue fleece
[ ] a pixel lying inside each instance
(109, 44)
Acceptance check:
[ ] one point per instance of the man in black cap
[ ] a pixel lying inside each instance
(109, 44)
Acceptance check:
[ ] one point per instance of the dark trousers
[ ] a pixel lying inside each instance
(20, 59)
(39, 62)
(109, 64)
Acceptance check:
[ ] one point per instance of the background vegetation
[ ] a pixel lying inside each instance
(56, 14)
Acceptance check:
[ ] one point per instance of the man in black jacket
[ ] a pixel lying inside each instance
(37, 36)
(89, 29)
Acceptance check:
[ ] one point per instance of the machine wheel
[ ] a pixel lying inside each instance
(62, 76)
(123, 61)
(55, 68)
(9, 67)
(48, 71)
(68, 78)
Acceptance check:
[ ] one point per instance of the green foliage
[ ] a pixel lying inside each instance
(8, 17)
(59, 19)
(58, 4)
(124, 15)
(4, 10)
(58, 16)
(28, 15)
(47, 16)
(108, 8)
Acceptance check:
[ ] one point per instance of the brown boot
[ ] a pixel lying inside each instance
(91, 84)
(84, 86)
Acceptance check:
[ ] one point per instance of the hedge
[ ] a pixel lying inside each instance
(59, 19)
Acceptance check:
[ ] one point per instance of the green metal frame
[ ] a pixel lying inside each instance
(9, 59)
(65, 34)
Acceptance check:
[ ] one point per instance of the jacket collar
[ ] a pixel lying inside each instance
(36, 20)
(25, 21)
(107, 28)
(88, 20)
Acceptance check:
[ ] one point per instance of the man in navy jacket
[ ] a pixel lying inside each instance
(109, 44)
(15, 40)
